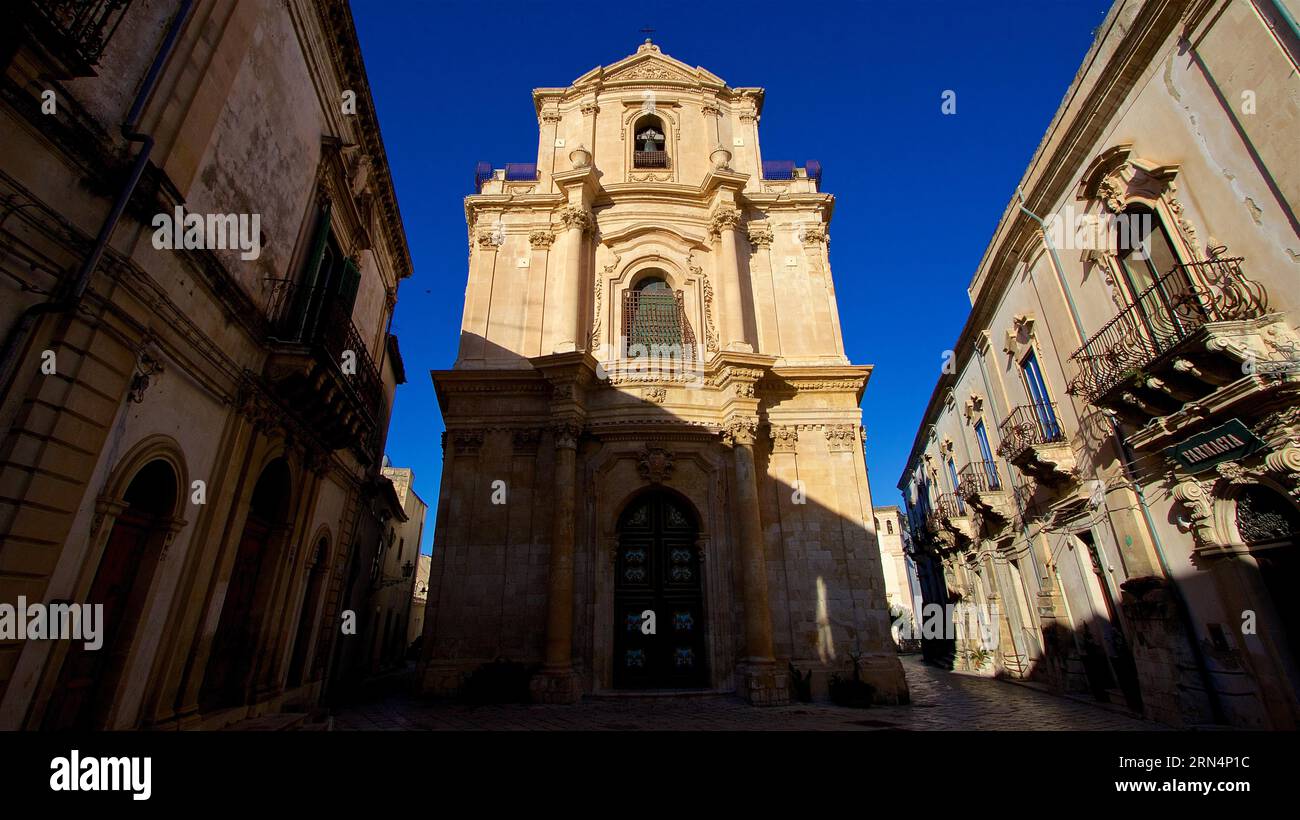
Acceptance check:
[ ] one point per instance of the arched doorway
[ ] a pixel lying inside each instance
(658, 570)
(234, 647)
(88, 680)
(1269, 524)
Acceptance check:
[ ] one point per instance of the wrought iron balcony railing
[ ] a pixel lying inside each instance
(650, 159)
(81, 28)
(1027, 426)
(945, 506)
(313, 318)
(978, 477)
(1179, 303)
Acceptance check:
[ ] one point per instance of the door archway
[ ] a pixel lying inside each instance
(658, 570)
(88, 680)
(1270, 526)
(235, 644)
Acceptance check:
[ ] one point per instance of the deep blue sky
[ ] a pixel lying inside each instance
(855, 85)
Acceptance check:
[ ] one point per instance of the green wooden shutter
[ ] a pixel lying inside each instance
(307, 282)
(345, 296)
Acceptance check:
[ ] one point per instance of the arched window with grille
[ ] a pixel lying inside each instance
(654, 322)
(651, 148)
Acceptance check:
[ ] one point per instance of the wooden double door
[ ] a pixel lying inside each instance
(659, 624)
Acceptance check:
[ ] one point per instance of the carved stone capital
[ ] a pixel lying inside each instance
(467, 442)
(723, 218)
(489, 238)
(573, 217)
(566, 432)
(740, 430)
(785, 438)
(840, 437)
(760, 235)
(526, 439)
(541, 238)
(812, 235)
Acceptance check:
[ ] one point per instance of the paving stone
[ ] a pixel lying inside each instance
(941, 700)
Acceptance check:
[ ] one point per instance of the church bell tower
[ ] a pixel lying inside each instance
(653, 470)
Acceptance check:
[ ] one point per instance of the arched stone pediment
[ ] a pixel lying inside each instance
(1117, 178)
(620, 239)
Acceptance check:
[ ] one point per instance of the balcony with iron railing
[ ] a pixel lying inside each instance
(1153, 357)
(949, 520)
(322, 368)
(1034, 441)
(650, 159)
(981, 485)
(72, 32)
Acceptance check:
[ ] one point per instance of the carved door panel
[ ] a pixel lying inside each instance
(658, 571)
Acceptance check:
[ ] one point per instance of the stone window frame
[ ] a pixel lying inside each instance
(1117, 180)
(618, 279)
(663, 109)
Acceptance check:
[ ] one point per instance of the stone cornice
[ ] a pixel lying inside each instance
(336, 18)
(1105, 79)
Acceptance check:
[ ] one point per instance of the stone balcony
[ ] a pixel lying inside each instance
(321, 368)
(950, 522)
(1035, 443)
(982, 487)
(1201, 329)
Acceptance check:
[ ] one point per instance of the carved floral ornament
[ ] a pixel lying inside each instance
(710, 332)
(541, 238)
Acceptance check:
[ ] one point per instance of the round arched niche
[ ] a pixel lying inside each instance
(1263, 517)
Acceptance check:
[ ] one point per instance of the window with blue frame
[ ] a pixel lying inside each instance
(1036, 386)
(952, 474)
(986, 453)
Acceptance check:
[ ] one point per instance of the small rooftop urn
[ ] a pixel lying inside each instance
(721, 159)
(580, 157)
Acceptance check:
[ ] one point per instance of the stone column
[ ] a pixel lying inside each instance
(763, 684)
(474, 327)
(563, 321)
(723, 223)
(557, 682)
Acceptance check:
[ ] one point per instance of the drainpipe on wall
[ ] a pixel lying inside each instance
(68, 301)
(1126, 458)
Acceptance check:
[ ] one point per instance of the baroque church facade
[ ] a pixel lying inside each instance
(653, 467)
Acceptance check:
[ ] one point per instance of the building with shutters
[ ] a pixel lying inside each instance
(653, 466)
(1111, 466)
(190, 431)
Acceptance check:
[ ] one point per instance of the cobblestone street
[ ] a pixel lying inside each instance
(940, 700)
